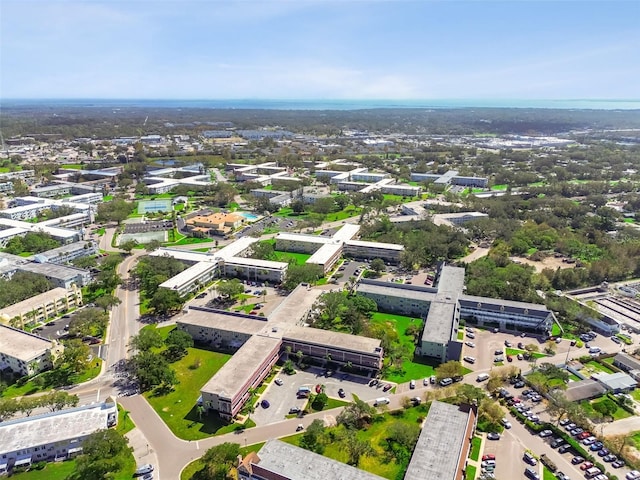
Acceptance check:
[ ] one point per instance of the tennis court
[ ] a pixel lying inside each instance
(152, 206)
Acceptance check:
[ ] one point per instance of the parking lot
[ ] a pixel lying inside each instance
(282, 397)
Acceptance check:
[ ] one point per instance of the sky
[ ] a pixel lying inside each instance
(322, 49)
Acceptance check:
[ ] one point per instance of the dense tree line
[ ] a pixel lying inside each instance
(32, 242)
(21, 286)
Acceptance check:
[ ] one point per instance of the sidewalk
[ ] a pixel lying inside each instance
(142, 451)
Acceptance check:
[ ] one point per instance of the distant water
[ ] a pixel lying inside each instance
(267, 104)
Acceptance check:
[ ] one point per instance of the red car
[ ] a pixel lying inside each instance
(318, 388)
(583, 435)
(386, 388)
(586, 465)
(489, 456)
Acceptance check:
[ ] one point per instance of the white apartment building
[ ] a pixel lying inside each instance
(52, 436)
(42, 307)
(25, 353)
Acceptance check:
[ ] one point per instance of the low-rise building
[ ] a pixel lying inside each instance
(444, 443)
(216, 223)
(228, 390)
(389, 252)
(67, 253)
(278, 460)
(41, 307)
(60, 275)
(25, 353)
(54, 436)
(191, 279)
(618, 382)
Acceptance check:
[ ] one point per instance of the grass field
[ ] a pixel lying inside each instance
(178, 408)
(300, 258)
(547, 474)
(515, 351)
(382, 463)
(475, 448)
(125, 424)
(412, 368)
(470, 473)
(31, 387)
(587, 406)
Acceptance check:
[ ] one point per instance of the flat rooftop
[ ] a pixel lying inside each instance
(222, 321)
(188, 275)
(375, 245)
(347, 232)
(228, 382)
(295, 463)
(301, 237)
(436, 456)
(184, 255)
(236, 248)
(326, 338)
(54, 427)
(54, 271)
(451, 279)
(324, 253)
(533, 309)
(255, 262)
(390, 289)
(439, 324)
(21, 345)
(293, 308)
(34, 302)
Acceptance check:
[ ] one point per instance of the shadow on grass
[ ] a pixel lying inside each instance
(210, 423)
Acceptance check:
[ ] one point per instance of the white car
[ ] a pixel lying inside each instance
(278, 381)
(546, 433)
(506, 423)
(144, 469)
(470, 344)
(470, 359)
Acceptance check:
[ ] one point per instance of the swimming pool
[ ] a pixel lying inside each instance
(248, 216)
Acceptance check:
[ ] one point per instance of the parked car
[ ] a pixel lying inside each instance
(386, 388)
(294, 410)
(470, 344)
(618, 464)
(425, 382)
(493, 436)
(412, 384)
(341, 393)
(416, 400)
(531, 473)
(278, 381)
(470, 359)
(546, 433)
(489, 456)
(144, 469)
(299, 427)
(577, 460)
(564, 448)
(265, 404)
(506, 423)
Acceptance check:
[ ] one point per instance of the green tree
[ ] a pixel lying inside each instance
(152, 370)
(230, 288)
(297, 274)
(116, 210)
(313, 438)
(104, 453)
(152, 245)
(323, 205)
(128, 245)
(177, 342)
(356, 414)
(450, 369)
(57, 400)
(356, 448)
(377, 265)
(75, 356)
(8, 408)
(89, 322)
(145, 340)
(107, 301)
(165, 301)
(320, 401)
(218, 461)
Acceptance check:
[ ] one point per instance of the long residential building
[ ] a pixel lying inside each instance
(443, 306)
(67, 253)
(54, 436)
(25, 353)
(41, 307)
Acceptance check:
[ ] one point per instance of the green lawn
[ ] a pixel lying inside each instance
(300, 258)
(348, 212)
(381, 463)
(547, 474)
(470, 473)
(595, 366)
(73, 166)
(191, 240)
(515, 351)
(619, 414)
(475, 448)
(178, 408)
(125, 424)
(50, 381)
(331, 403)
(413, 368)
(500, 187)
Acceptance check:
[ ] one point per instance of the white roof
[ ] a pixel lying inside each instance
(376, 245)
(34, 302)
(347, 232)
(300, 237)
(235, 248)
(324, 253)
(184, 255)
(21, 345)
(186, 276)
(54, 427)
(254, 262)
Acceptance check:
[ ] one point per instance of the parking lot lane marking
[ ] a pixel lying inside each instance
(98, 395)
(197, 445)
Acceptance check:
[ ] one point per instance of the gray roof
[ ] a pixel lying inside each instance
(52, 270)
(628, 361)
(413, 292)
(22, 345)
(436, 455)
(616, 381)
(583, 390)
(222, 320)
(496, 304)
(295, 306)
(451, 279)
(327, 338)
(440, 319)
(54, 427)
(294, 463)
(229, 381)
